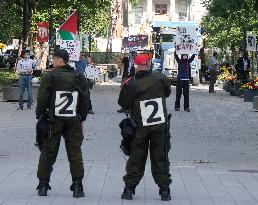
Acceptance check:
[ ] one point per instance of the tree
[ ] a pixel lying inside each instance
(228, 21)
(93, 14)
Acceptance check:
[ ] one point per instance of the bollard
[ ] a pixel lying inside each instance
(255, 104)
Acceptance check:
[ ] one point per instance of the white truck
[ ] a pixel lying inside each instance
(164, 41)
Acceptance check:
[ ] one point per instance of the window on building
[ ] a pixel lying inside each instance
(138, 15)
(161, 8)
(183, 8)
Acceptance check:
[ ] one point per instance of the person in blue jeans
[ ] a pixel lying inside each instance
(183, 79)
(25, 70)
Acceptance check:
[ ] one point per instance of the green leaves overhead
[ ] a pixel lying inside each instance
(227, 20)
(94, 15)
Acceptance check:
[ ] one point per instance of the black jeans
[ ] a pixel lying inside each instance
(213, 79)
(182, 85)
(90, 105)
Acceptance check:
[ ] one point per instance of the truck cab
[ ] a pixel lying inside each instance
(164, 42)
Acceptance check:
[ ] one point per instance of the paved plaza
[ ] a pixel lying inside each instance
(214, 154)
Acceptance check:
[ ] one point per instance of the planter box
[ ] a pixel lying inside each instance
(227, 86)
(236, 89)
(249, 95)
(12, 94)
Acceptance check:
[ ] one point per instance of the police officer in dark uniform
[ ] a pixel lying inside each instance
(64, 93)
(144, 97)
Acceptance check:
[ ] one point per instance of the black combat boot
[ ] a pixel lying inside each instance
(128, 193)
(77, 188)
(164, 192)
(43, 187)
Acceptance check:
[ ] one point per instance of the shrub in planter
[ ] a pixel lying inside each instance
(249, 95)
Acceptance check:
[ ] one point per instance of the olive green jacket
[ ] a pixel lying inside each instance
(62, 79)
(136, 92)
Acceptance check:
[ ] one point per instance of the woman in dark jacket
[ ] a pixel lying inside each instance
(183, 79)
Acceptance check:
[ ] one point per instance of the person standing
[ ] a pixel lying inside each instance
(81, 65)
(243, 68)
(213, 71)
(131, 68)
(64, 93)
(129, 71)
(183, 80)
(25, 70)
(90, 73)
(125, 74)
(145, 98)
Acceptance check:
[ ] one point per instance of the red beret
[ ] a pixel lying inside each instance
(141, 60)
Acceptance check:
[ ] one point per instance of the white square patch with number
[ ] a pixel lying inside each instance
(152, 112)
(66, 103)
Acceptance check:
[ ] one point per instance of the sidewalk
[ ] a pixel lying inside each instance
(213, 159)
(205, 184)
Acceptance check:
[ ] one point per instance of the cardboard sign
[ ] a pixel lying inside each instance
(92, 72)
(42, 32)
(135, 42)
(72, 47)
(186, 40)
(251, 41)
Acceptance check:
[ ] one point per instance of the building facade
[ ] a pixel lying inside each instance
(148, 11)
(128, 20)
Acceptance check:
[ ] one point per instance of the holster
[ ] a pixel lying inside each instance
(128, 127)
(42, 129)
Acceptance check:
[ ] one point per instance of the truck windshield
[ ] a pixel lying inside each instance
(168, 38)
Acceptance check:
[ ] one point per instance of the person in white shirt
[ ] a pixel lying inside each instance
(25, 70)
(90, 75)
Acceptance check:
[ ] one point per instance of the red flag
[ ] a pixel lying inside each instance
(71, 23)
(42, 32)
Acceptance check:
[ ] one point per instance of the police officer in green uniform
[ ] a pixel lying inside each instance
(144, 97)
(65, 94)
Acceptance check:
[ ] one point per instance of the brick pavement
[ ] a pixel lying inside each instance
(221, 131)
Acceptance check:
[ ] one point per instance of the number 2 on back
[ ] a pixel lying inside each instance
(66, 103)
(152, 112)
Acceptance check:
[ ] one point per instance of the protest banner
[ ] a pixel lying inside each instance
(135, 42)
(186, 40)
(72, 47)
(42, 32)
(92, 72)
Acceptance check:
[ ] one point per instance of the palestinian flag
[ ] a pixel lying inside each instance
(69, 29)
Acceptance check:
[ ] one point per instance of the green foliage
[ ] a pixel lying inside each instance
(226, 22)
(95, 22)
(10, 21)
(8, 77)
(134, 2)
(92, 13)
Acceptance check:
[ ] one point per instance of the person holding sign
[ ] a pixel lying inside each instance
(63, 94)
(183, 79)
(145, 98)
